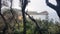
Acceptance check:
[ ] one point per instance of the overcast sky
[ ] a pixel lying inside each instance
(39, 6)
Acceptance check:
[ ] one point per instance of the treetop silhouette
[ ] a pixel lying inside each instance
(56, 8)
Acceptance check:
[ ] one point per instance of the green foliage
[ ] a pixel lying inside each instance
(46, 27)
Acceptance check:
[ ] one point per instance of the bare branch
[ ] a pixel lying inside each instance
(34, 22)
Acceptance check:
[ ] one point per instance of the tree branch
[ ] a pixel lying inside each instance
(50, 5)
(34, 22)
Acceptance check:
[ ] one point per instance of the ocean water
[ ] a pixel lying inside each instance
(44, 17)
(39, 16)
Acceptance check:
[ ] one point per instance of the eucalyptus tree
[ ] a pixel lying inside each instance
(5, 28)
(8, 23)
(23, 6)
